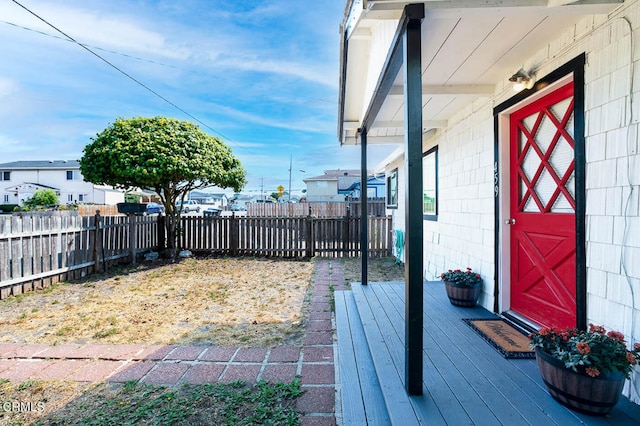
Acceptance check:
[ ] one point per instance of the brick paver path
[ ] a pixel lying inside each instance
(171, 364)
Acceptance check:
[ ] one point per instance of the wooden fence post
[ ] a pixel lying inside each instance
(162, 244)
(309, 236)
(132, 237)
(97, 242)
(234, 235)
(345, 232)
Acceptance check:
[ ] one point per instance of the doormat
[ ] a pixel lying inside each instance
(509, 341)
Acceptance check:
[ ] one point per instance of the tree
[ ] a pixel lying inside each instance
(42, 197)
(170, 156)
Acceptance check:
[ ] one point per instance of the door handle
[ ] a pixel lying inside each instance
(510, 222)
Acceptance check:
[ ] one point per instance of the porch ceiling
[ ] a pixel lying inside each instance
(468, 47)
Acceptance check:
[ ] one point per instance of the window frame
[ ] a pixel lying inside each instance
(392, 187)
(5, 175)
(433, 151)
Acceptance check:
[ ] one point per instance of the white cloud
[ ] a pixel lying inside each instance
(306, 72)
(92, 27)
(307, 125)
(7, 87)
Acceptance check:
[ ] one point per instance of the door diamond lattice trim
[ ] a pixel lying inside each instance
(545, 160)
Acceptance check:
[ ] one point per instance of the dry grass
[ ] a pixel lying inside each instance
(378, 270)
(221, 301)
(26, 402)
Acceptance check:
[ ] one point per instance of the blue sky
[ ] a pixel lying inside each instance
(261, 75)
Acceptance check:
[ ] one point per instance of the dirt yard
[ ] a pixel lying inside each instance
(221, 301)
(248, 302)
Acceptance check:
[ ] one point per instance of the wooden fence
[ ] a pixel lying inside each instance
(351, 207)
(284, 236)
(37, 250)
(105, 210)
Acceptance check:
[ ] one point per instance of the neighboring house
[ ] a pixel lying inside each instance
(217, 200)
(242, 199)
(20, 179)
(376, 187)
(332, 186)
(537, 189)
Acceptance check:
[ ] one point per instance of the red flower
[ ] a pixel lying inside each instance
(596, 329)
(631, 358)
(545, 331)
(615, 335)
(593, 372)
(636, 346)
(583, 348)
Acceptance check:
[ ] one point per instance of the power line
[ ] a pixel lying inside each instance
(139, 58)
(129, 76)
(126, 55)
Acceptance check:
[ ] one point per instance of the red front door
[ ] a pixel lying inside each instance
(542, 205)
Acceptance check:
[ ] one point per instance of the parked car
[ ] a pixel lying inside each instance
(189, 206)
(238, 208)
(154, 208)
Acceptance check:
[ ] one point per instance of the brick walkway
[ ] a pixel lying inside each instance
(171, 364)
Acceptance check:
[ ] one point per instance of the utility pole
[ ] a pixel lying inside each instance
(290, 161)
(262, 188)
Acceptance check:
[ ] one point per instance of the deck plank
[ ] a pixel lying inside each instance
(456, 399)
(466, 381)
(362, 399)
(424, 405)
(381, 344)
(353, 411)
(527, 394)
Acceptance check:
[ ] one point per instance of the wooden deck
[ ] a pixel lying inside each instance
(465, 382)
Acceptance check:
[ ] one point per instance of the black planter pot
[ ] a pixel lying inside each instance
(463, 296)
(577, 390)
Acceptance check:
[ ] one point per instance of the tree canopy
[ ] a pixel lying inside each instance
(161, 153)
(42, 197)
(167, 155)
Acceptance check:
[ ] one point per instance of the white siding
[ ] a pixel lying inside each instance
(70, 190)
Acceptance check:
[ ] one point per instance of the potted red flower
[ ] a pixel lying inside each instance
(584, 370)
(463, 287)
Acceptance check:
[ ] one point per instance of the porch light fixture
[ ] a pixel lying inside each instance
(521, 80)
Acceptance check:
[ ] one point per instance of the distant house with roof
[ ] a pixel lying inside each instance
(20, 179)
(332, 186)
(218, 200)
(376, 187)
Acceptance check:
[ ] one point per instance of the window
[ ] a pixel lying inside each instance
(5, 175)
(392, 189)
(430, 184)
(6, 198)
(81, 197)
(70, 198)
(73, 175)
